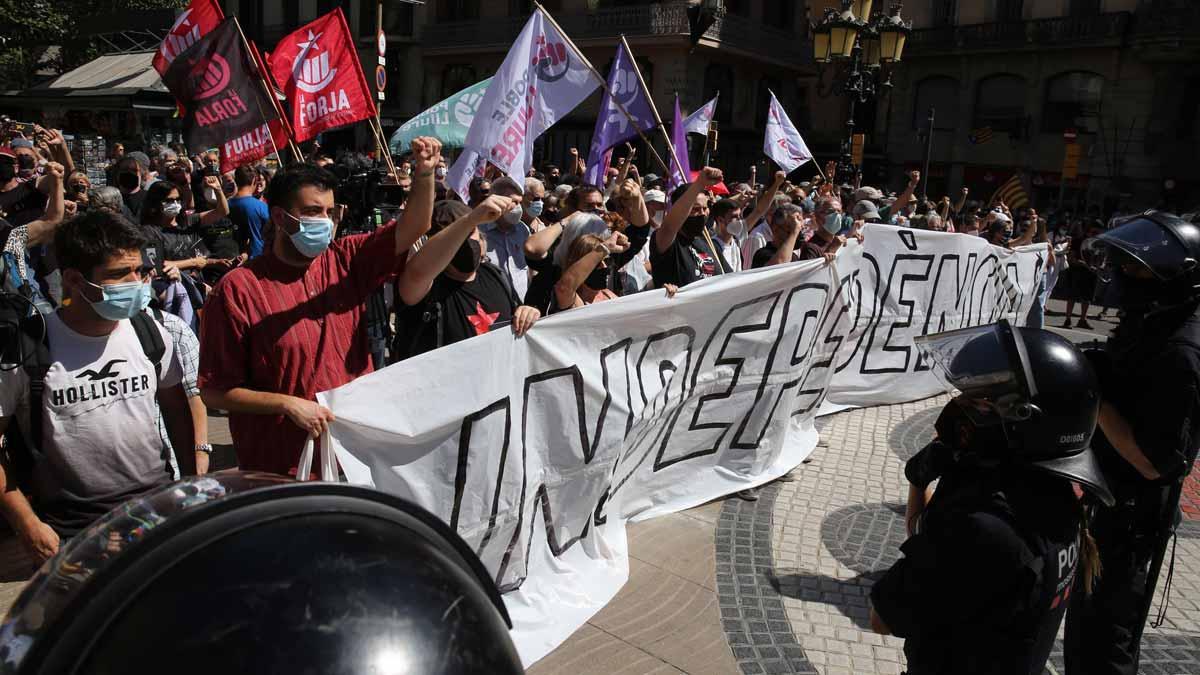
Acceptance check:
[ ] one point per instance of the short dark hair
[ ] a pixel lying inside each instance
(678, 192)
(577, 193)
(244, 176)
(286, 184)
(86, 241)
(723, 207)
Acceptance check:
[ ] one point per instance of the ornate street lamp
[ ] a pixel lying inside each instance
(858, 50)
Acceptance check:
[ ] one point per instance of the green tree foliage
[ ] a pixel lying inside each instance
(47, 35)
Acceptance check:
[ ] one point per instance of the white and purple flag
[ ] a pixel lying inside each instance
(682, 172)
(783, 143)
(698, 121)
(612, 126)
(542, 79)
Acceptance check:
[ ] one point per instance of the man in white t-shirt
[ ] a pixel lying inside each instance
(99, 442)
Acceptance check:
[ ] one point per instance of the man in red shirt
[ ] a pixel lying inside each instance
(288, 324)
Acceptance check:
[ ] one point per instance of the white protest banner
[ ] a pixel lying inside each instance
(783, 142)
(538, 450)
(541, 80)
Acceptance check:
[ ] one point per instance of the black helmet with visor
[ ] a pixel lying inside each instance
(1035, 385)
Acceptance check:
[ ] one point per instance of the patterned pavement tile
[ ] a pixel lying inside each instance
(794, 569)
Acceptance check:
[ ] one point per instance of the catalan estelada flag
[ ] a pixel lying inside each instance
(980, 136)
(1012, 193)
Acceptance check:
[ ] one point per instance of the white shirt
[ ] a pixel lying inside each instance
(100, 439)
(758, 238)
(732, 252)
(506, 250)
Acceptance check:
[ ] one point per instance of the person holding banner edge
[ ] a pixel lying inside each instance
(288, 324)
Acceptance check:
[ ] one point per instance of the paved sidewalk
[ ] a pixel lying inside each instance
(780, 585)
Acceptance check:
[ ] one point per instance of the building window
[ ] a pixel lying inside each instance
(397, 19)
(944, 12)
(941, 93)
(1189, 111)
(1009, 10)
(739, 7)
(780, 14)
(719, 78)
(457, 10)
(1073, 102)
(765, 87)
(1000, 103)
(457, 77)
(1085, 7)
(525, 7)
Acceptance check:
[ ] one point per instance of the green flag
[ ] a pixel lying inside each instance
(447, 121)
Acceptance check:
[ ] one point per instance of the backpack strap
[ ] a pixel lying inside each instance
(150, 338)
(35, 360)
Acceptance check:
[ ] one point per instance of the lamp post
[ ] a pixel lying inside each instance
(859, 51)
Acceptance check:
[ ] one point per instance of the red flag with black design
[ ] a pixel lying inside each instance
(198, 20)
(214, 83)
(322, 77)
(271, 137)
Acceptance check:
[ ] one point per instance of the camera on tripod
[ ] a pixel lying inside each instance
(366, 194)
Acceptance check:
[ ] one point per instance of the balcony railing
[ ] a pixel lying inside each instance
(1167, 18)
(1106, 28)
(666, 19)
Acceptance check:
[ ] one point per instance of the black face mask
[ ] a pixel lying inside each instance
(693, 226)
(128, 181)
(598, 279)
(956, 428)
(8, 171)
(466, 258)
(25, 166)
(1135, 295)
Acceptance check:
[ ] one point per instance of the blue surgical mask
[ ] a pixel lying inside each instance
(535, 208)
(121, 301)
(313, 237)
(833, 223)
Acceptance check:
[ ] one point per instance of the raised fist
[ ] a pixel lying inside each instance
(55, 169)
(780, 177)
(616, 243)
(493, 207)
(914, 177)
(710, 176)
(426, 154)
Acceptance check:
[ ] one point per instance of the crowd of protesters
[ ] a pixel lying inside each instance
(260, 302)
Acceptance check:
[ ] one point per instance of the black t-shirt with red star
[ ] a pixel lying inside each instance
(685, 261)
(454, 311)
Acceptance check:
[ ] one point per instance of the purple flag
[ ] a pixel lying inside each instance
(679, 140)
(612, 126)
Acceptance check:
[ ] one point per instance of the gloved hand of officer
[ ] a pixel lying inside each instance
(929, 464)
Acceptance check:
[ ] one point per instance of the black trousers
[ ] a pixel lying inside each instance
(1099, 635)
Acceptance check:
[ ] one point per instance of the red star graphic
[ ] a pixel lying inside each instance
(481, 320)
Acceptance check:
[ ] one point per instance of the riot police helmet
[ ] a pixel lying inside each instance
(248, 572)
(1151, 259)
(1034, 385)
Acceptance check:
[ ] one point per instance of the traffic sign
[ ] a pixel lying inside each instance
(1069, 134)
(380, 78)
(381, 42)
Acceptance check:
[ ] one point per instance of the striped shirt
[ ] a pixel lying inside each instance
(272, 327)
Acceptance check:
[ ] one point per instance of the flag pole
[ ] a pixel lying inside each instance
(267, 89)
(604, 85)
(654, 110)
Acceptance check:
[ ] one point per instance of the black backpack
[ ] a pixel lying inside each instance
(31, 351)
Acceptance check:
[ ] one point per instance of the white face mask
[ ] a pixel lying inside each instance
(736, 227)
(172, 208)
(657, 218)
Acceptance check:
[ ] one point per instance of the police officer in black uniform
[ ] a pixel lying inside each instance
(995, 551)
(1150, 377)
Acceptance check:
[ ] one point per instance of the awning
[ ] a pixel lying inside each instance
(117, 77)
